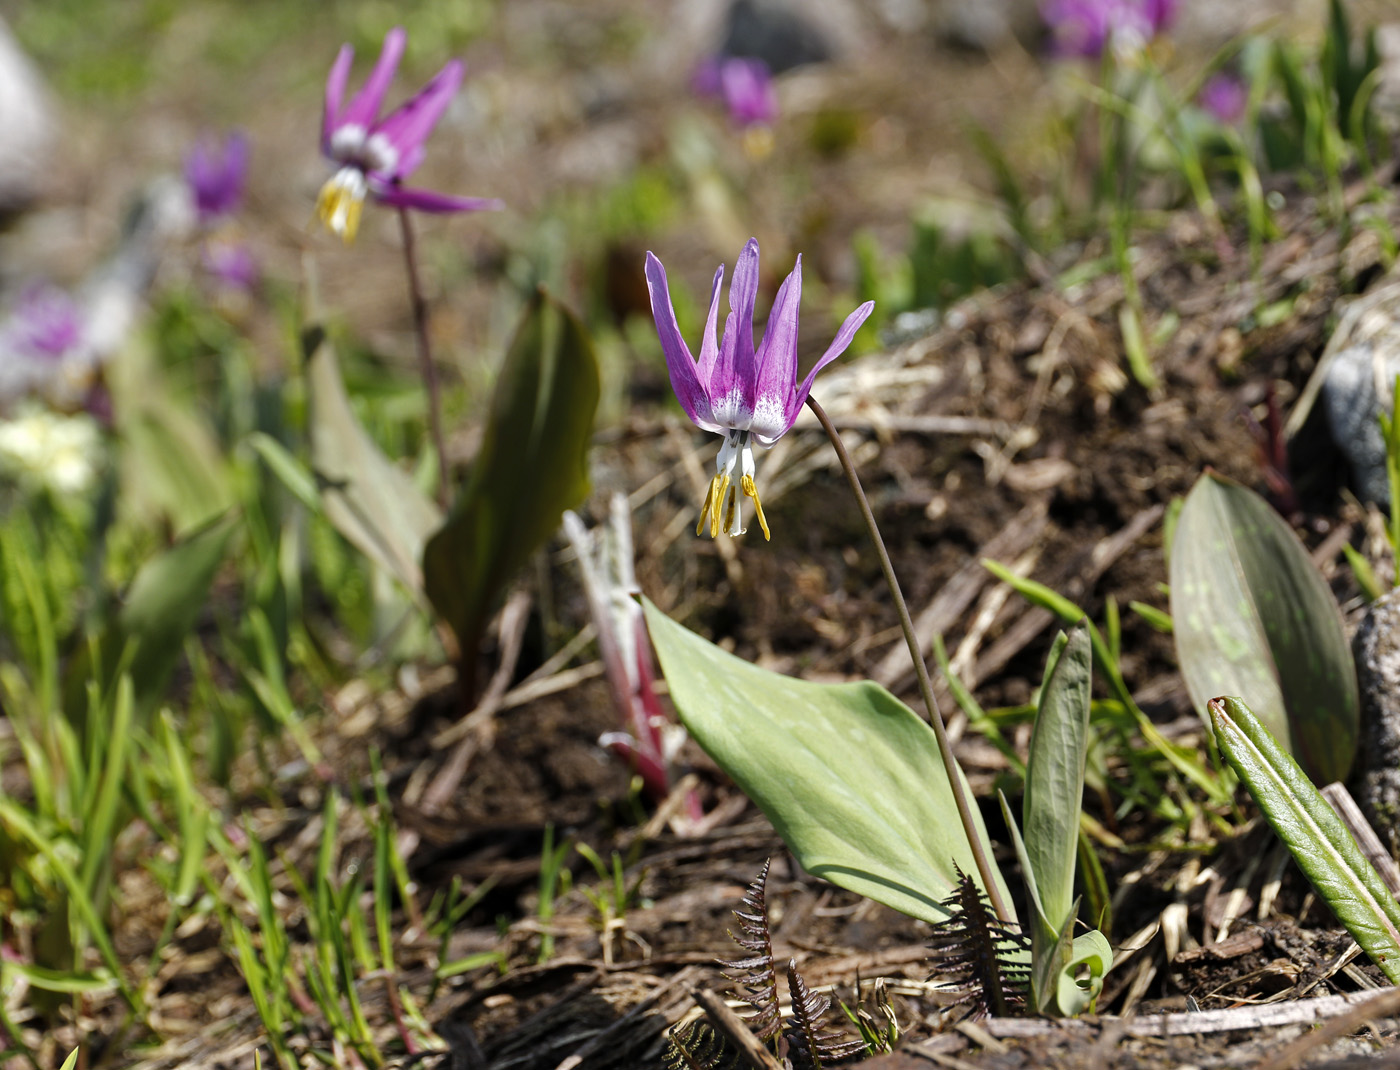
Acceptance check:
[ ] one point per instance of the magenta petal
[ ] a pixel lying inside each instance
(838, 346)
(363, 108)
(743, 293)
(679, 362)
(732, 380)
(422, 200)
(410, 124)
(709, 346)
(777, 361)
(335, 93)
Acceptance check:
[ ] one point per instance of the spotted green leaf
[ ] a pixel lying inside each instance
(1253, 616)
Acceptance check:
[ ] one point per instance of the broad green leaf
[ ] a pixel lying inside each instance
(850, 776)
(160, 609)
(1253, 616)
(164, 602)
(1312, 832)
(533, 464)
(1055, 774)
(370, 500)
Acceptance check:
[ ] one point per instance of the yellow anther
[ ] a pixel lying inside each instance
(719, 504)
(752, 491)
(714, 500)
(731, 511)
(339, 209)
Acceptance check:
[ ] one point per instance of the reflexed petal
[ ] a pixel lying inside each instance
(709, 346)
(837, 347)
(411, 123)
(689, 392)
(363, 108)
(776, 361)
(335, 93)
(422, 200)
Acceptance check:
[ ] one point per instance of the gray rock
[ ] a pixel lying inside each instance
(777, 33)
(1353, 403)
(1376, 780)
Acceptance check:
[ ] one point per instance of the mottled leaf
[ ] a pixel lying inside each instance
(1253, 616)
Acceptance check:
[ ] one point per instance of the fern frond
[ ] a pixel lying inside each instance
(985, 960)
(756, 974)
(810, 1043)
(698, 1046)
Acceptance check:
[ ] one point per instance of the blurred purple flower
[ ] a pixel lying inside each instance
(1087, 27)
(1225, 96)
(743, 83)
(374, 155)
(46, 324)
(45, 330)
(216, 174)
(736, 391)
(231, 263)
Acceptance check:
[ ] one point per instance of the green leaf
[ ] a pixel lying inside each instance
(1092, 951)
(164, 602)
(1055, 774)
(71, 981)
(1312, 832)
(1254, 617)
(288, 469)
(533, 464)
(850, 777)
(161, 608)
(1049, 943)
(369, 499)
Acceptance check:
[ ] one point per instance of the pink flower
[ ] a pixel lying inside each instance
(1225, 96)
(744, 394)
(1087, 27)
(374, 155)
(216, 175)
(743, 83)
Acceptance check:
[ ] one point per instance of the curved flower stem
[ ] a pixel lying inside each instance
(945, 749)
(425, 353)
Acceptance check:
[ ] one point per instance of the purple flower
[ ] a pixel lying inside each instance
(744, 84)
(45, 335)
(375, 154)
(735, 390)
(231, 263)
(46, 324)
(1225, 96)
(1087, 27)
(216, 174)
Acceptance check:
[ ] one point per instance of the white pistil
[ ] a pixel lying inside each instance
(724, 499)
